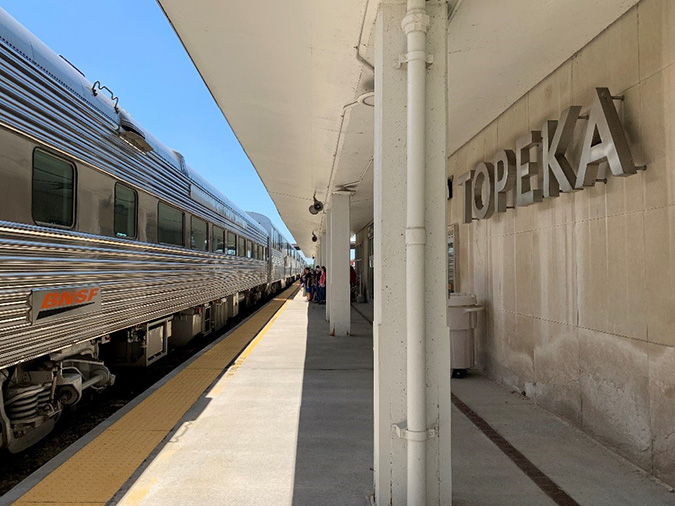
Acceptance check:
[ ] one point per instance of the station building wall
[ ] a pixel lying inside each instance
(580, 289)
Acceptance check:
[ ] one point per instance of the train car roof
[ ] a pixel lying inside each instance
(263, 220)
(267, 224)
(42, 57)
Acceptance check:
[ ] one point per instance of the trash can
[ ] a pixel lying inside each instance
(462, 319)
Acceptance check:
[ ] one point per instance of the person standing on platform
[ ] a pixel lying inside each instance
(314, 286)
(322, 286)
(309, 283)
(304, 282)
(317, 276)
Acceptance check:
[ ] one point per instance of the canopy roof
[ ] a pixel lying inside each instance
(283, 72)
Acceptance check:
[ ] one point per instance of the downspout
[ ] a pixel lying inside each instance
(415, 25)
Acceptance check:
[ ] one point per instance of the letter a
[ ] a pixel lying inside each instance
(605, 141)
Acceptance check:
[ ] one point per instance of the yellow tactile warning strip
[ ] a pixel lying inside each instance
(95, 473)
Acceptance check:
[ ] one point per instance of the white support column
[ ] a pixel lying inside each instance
(389, 214)
(317, 251)
(323, 249)
(390, 290)
(329, 273)
(340, 310)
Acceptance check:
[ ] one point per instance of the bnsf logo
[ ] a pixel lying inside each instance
(68, 298)
(49, 303)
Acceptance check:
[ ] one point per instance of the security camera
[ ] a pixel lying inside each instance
(316, 207)
(314, 237)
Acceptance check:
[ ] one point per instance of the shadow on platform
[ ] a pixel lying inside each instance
(334, 455)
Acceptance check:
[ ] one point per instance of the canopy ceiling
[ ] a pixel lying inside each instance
(283, 72)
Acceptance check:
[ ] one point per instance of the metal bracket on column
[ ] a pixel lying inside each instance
(415, 235)
(403, 59)
(401, 430)
(343, 190)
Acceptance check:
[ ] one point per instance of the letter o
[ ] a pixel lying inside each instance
(483, 183)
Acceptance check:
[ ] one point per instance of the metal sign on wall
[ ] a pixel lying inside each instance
(540, 167)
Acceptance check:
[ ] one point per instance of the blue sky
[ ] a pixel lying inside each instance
(130, 47)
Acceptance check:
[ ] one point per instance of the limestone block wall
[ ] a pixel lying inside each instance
(580, 289)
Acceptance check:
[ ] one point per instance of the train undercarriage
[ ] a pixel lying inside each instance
(35, 393)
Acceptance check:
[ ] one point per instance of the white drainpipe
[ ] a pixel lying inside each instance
(415, 25)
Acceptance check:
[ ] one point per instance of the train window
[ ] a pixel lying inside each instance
(217, 242)
(169, 225)
(198, 235)
(248, 248)
(53, 190)
(241, 246)
(231, 243)
(126, 205)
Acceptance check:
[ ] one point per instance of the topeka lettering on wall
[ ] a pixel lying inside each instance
(540, 166)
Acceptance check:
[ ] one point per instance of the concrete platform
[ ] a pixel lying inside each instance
(587, 472)
(291, 424)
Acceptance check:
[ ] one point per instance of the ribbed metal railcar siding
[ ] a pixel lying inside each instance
(139, 282)
(33, 103)
(278, 272)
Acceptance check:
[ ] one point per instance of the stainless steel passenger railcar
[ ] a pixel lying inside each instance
(285, 261)
(110, 245)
